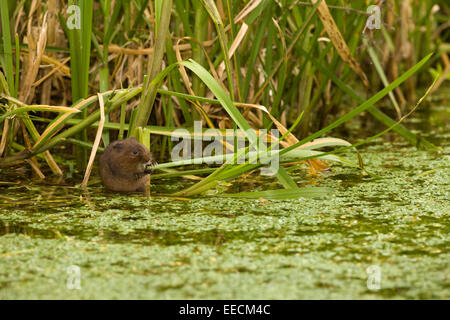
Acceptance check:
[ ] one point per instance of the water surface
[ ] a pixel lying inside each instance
(133, 246)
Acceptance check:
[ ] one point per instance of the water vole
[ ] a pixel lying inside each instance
(123, 166)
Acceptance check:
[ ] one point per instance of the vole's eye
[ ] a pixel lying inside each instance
(135, 152)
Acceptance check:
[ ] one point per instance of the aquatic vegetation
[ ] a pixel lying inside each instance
(283, 81)
(292, 163)
(223, 248)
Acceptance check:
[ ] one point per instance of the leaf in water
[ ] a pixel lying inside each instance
(324, 142)
(282, 194)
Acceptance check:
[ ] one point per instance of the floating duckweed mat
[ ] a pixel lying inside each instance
(131, 246)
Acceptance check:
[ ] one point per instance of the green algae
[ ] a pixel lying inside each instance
(134, 246)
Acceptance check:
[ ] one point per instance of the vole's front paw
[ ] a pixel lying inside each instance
(139, 175)
(150, 165)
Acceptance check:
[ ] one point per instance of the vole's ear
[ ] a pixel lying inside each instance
(118, 146)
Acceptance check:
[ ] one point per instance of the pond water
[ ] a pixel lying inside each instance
(132, 246)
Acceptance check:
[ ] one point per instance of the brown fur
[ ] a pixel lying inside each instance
(123, 166)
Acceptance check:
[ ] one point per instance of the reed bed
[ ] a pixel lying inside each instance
(303, 68)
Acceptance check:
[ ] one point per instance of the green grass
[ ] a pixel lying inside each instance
(283, 74)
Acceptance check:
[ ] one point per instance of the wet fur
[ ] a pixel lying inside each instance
(123, 166)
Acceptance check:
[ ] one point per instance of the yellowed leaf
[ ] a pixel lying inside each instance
(338, 41)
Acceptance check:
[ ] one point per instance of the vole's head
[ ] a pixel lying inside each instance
(130, 155)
